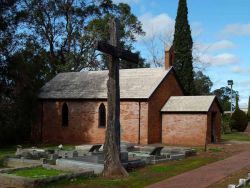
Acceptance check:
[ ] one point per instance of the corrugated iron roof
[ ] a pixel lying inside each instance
(134, 83)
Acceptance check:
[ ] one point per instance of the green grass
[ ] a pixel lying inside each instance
(236, 136)
(37, 172)
(141, 177)
(215, 149)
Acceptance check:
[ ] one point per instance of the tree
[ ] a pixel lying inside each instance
(40, 38)
(224, 96)
(25, 75)
(239, 118)
(183, 43)
(202, 83)
(69, 30)
(248, 111)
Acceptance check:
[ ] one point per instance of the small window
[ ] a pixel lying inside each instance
(102, 116)
(65, 115)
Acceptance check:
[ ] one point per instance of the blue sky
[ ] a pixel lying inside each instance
(221, 35)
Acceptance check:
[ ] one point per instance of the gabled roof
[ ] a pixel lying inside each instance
(134, 84)
(189, 104)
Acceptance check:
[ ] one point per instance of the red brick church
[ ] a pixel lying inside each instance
(73, 106)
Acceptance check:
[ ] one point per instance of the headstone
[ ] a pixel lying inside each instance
(124, 156)
(75, 154)
(242, 181)
(89, 148)
(31, 153)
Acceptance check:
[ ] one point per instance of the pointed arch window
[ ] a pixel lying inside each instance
(65, 115)
(102, 116)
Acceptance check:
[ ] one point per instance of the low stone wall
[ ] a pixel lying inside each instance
(10, 180)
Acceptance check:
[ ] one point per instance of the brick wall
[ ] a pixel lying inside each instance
(169, 87)
(184, 129)
(83, 122)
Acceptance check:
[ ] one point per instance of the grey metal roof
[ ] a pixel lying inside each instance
(188, 104)
(134, 83)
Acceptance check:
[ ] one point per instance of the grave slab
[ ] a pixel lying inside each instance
(69, 164)
(16, 162)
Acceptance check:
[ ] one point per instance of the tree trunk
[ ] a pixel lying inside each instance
(112, 163)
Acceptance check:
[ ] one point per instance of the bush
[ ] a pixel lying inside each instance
(239, 120)
(225, 123)
(248, 115)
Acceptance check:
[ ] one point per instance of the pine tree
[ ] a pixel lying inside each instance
(237, 102)
(183, 44)
(248, 111)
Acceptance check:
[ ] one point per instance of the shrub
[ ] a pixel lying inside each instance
(239, 120)
(248, 111)
(225, 119)
(248, 115)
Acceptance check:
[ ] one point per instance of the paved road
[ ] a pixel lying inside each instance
(207, 175)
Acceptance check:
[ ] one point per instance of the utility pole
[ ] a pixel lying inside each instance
(230, 83)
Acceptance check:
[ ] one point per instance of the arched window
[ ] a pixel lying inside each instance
(102, 116)
(65, 115)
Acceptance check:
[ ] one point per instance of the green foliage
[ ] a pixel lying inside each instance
(239, 120)
(225, 123)
(224, 96)
(25, 74)
(183, 44)
(248, 111)
(202, 83)
(36, 172)
(39, 39)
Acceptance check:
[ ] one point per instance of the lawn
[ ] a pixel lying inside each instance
(37, 172)
(236, 136)
(141, 177)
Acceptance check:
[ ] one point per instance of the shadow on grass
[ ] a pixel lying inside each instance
(141, 177)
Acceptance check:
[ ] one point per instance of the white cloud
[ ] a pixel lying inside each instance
(163, 25)
(156, 25)
(221, 45)
(236, 30)
(214, 47)
(220, 59)
(240, 70)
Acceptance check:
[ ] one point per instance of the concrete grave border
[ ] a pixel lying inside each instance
(10, 180)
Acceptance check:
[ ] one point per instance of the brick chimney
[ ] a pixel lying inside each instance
(169, 57)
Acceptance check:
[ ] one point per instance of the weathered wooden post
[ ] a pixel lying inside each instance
(112, 163)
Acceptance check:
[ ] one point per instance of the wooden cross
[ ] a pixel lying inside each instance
(112, 140)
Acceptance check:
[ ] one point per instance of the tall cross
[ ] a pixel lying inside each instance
(115, 52)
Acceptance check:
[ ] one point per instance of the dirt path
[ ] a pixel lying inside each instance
(209, 174)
